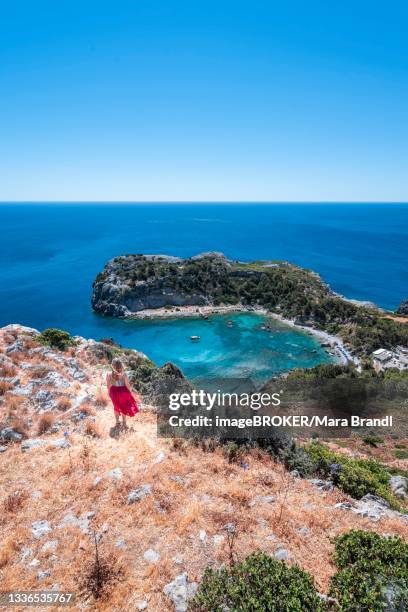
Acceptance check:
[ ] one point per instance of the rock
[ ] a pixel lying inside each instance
(322, 485)
(16, 347)
(60, 443)
(303, 531)
(295, 474)
(34, 563)
(399, 486)
(96, 481)
(36, 495)
(25, 553)
(142, 605)
(28, 445)
(202, 535)
(262, 499)
(115, 474)
(180, 591)
(160, 457)
(218, 539)
(151, 556)
(403, 308)
(21, 329)
(120, 543)
(281, 554)
(43, 574)
(139, 493)
(343, 506)
(81, 522)
(10, 435)
(178, 560)
(40, 528)
(3, 449)
(50, 546)
(372, 507)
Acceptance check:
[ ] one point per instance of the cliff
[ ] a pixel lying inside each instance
(132, 283)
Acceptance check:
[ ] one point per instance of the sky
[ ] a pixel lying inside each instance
(212, 101)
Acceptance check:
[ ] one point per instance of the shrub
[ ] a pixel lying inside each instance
(64, 403)
(100, 399)
(260, 582)
(372, 441)
(401, 454)
(357, 477)
(4, 387)
(101, 574)
(45, 422)
(15, 501)
(56, 338)
(92, 430)
(373, 572)
(233, 451)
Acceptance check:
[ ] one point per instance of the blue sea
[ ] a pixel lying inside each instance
(50, 255)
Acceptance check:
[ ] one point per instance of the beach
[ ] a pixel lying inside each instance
(335, 342)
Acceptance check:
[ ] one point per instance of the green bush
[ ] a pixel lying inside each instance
(56, 338)
(357, 477)
(373, 573)
(372, 440)
(259, 583)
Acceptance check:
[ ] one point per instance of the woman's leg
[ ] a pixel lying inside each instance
(124, 421)
(117, 415)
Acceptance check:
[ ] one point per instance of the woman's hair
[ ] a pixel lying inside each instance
(117, 365)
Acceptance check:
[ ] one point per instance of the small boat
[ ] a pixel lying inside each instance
(195, 338)
(230, 323)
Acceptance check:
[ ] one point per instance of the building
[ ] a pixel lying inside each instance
(382, 355)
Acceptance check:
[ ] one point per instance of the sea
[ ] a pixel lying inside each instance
(50, 254)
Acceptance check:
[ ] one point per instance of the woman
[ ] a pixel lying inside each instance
(120, 393)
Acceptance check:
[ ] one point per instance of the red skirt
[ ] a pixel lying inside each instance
(123, 401)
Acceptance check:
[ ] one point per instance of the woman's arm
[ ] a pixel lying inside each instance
(108, 381)
(135, 393)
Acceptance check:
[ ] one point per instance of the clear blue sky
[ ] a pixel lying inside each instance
(203, 100)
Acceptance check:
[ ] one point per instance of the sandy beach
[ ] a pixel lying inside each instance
(335, 343)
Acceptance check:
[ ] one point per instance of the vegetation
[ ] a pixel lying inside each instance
(357, 477)
(257, 583)
(372, 575)
(56, 338)
(373, 572)
(281, 287)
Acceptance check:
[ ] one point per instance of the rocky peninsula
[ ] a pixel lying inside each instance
(147, 286)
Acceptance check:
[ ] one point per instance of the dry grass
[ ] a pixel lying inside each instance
(45, 422)
(87, 408)
(101, 399)
(64, 403)
(7, 371)
(15, 501)
(92, 429)
(20, 425)
(193, 492)
(40, 371)
(4, 387)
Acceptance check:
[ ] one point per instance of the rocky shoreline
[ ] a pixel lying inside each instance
(342, 353)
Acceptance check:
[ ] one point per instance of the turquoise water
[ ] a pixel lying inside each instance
(50, 255)
(238, 351)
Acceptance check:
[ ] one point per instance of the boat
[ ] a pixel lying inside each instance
(230, 323)
(195, 338)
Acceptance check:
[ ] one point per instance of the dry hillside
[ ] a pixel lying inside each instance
(158, 507)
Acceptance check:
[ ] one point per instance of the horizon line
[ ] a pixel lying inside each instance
(192, 202)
